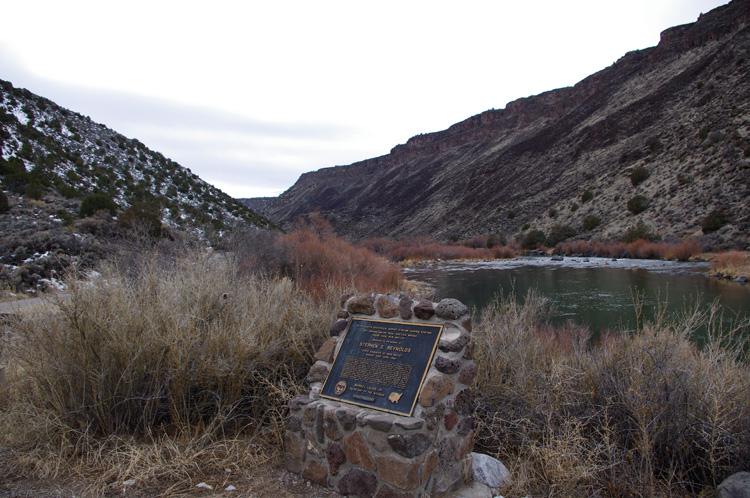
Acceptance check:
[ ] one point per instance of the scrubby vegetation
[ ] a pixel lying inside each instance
(164, 367)
(424, 249)
(639, 248)
(533, 239)
(640, 231)
(638, 204)
(177, 363)
(590, 222)
(559, 233)
(639, 175)
(642, 414)
(714, 221)
(731, 264)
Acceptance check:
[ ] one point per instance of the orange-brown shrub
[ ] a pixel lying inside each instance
(379, 245)
(641, 249)
(423, 249)
(316, 258)
(685, 250)
(731, 258)
(476, 242)
(321, 259)
(503, 252)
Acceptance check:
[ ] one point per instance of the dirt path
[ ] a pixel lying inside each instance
(11, 307)
(268, 481)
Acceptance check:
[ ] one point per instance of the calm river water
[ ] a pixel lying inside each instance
(597, 292)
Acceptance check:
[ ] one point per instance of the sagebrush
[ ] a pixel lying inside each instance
(158, 370)
(639, 414)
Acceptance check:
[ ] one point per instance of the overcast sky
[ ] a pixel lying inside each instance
(249, 94)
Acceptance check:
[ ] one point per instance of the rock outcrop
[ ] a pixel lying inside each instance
(680, 109)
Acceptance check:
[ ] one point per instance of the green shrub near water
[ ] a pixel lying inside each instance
(640, 231)
(533, 239)
(559, 233)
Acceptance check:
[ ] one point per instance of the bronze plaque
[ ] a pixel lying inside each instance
(382, 365)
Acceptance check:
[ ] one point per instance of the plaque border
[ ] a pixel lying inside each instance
(440, 326)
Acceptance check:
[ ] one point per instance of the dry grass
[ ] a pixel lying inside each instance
(637, 415)
(158, 371)
(731, 264)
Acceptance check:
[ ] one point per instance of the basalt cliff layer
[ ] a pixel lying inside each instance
(680, 111)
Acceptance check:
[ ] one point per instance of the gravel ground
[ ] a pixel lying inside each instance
(269, 481)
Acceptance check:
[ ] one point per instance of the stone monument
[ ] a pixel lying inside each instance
(389, 413)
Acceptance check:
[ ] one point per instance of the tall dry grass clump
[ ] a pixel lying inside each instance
(158, 371)
(732, 264)
(638, 415)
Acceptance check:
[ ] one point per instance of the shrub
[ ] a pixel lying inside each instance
(620, 417)
(11, 166)
(703, 132)
(654, 145)
(574, 207)
(714, 221)
(732, 264)
(716, 137)
(511, 214)
(142, 216)
(639, 175)
(162, 369)
(34, 190)
(640, 231)
(495, 240)
(587, 196)
(525, 227)
(638, 204)
(552, 213)
(68, 191)
(559, 233)
(590, 222)
(97, 202)
(3, 203)
(316, 258)
(532, 239)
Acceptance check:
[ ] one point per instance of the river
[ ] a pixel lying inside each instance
(597, 292)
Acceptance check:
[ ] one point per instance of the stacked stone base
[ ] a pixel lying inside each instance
(367, 453)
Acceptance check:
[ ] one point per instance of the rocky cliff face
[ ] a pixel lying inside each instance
(681, 110)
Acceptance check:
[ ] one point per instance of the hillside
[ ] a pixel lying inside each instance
(53, 159)
(677, 114)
